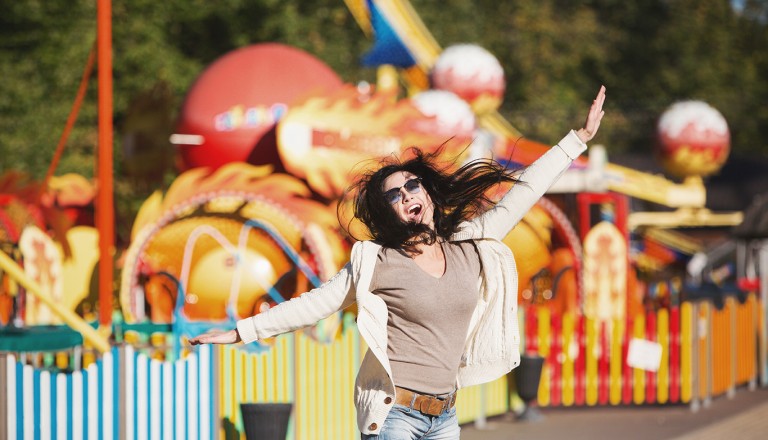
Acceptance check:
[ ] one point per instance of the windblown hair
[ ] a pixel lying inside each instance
(457, 196)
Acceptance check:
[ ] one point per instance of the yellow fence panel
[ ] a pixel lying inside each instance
(545, 339)
(591, 361)
(570, 351)
(662, 337)
(638, 374)
(617, 363)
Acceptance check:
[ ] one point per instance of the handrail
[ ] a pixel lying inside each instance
(70, 318)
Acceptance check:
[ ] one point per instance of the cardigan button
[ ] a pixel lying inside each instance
(388, 400)
(373, 427)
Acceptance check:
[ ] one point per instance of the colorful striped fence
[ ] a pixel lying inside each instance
(166, 400)
(129, 395)
(41, 404)
(706, 352)
(317, 378)
(122, 395)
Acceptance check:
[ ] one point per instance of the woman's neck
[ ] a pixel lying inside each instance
(422, 247)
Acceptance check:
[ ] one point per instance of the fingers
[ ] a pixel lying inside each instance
(597, 105)
(595, 115)
(204, 339)
(216, 337)
(601, 98)
(597, 122)
(197, 341)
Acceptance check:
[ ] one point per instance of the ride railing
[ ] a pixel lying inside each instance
(130, 392)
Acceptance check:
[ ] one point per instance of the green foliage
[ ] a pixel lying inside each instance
(648, 53)
(556, 53)
(43, 49)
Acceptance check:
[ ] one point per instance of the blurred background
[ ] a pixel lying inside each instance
(237, 125)
(554, 54)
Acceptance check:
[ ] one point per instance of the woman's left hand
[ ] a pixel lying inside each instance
(217, 337)
(593, 118)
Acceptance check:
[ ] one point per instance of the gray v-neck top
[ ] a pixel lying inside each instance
(428, 317)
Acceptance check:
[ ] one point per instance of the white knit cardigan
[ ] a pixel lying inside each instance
(491, 348)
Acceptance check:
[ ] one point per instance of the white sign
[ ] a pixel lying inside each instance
(644, 354)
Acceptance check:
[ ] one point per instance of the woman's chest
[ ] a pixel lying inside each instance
(408, 289)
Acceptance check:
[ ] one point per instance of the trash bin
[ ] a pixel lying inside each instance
(527, 378)
(266, 421)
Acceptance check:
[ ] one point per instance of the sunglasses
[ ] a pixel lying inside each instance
(394, 195)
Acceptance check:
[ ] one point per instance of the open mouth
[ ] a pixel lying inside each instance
(414, 211)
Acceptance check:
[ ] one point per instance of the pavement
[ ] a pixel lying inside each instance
(744, 416)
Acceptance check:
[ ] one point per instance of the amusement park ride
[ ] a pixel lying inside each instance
(268, 139)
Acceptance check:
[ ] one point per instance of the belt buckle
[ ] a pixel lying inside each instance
(449, 401)
(431, 406)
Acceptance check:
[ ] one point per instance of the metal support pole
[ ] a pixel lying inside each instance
(695, 401)
(709, 342)
(124, 364)
(480, 421)
(754, 328)
(4, 395)
(105, 217)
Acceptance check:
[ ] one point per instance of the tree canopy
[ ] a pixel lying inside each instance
(556, 53)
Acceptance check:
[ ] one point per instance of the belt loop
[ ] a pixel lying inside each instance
(413, 399)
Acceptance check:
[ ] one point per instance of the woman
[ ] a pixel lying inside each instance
(436, 289)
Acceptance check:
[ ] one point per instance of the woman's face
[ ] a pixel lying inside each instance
(411, 202)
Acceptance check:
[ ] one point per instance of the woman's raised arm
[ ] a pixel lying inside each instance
(537, 178)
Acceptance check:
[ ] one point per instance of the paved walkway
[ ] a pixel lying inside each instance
(744, 417)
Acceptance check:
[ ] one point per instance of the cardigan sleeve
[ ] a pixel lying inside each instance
(533, 183)
(304, 310)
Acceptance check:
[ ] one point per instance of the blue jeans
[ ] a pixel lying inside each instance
(405, 423)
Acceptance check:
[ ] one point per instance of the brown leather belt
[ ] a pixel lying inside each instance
(426, 404)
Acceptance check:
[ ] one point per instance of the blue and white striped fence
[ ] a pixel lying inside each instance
(168, 400)
(44, 405)
(161, 400)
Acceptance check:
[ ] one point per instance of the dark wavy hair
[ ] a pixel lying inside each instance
(457, 196)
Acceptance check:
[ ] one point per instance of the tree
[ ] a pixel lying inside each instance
(649, 53)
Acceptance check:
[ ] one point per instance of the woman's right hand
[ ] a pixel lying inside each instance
(217, 337)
